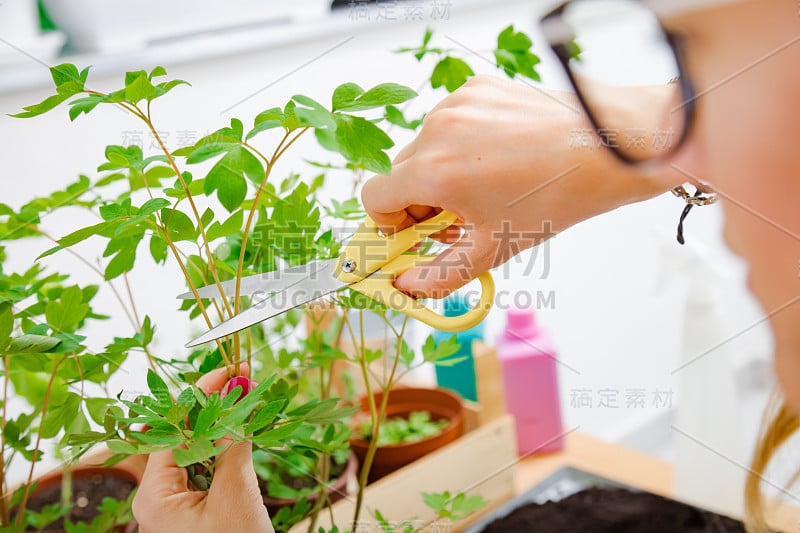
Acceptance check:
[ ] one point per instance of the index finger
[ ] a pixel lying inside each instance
(393, 201)
(216, 379)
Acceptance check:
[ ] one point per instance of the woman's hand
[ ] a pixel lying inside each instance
(163, 502)
(503, 157)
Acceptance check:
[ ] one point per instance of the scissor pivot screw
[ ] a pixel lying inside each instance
(349, 265)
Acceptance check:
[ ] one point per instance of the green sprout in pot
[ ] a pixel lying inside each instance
(400, 430)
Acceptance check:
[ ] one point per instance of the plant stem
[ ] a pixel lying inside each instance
(35, 456)
(3, 502)
(376, 414)
(212, 266)
(365, 468)
(270, 163)
(138, 326)
(211, 263)
(196, 295)
(322, 498)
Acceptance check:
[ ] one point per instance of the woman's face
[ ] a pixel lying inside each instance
(744, 59)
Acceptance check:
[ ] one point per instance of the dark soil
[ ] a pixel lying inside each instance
(87, 494)
(614, 511)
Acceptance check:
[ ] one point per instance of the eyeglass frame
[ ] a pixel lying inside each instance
(560, 34)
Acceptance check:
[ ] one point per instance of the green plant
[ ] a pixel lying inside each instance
(399, 430)
(512, 54)
(217, 210)
(49, 367)
(447, 508)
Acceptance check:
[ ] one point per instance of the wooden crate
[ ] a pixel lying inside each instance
(480, 462)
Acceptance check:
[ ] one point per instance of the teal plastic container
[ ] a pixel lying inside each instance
(459, 378)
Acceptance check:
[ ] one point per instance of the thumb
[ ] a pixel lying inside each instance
(234, 472)
(462, 262)
(162, 477)
(162, 481)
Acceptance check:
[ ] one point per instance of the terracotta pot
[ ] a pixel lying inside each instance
(337, 491)
(82, 472)
(440, 403)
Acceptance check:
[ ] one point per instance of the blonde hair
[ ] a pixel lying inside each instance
(779, 423)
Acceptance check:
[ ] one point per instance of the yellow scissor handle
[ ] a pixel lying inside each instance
(380, 287)
(369, 250)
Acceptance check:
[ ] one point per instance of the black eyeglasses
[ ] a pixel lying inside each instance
(629, 75)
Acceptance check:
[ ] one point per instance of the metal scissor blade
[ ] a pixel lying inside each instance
(322, 282)
(266, 282)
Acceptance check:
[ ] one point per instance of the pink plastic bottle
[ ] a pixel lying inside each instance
(530, 382)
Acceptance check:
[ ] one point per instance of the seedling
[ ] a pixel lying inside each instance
(399, 430)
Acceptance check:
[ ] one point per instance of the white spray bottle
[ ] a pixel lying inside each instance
(707, 431)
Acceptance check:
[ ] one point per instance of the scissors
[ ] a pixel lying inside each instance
(369, 264)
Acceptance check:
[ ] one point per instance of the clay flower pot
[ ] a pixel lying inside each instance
(90, 484)
(337, 491)
(440, 403)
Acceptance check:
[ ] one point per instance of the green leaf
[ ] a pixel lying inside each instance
(158, 248)
(207, 217)
(345, 95)
(349, 209)
(138, 87)
(363, 143)
(60, 415)
(64, 314)
(436, 500)
(278, 435)
(463, 506)
(97, 408)
(186, 398)
(157, 72)
(313, 114)
(66, 74)
(264, 416)
(406, 354)
(68, 81)
(179, 225)
(122, 447)
(153, 205)
(43, 107)
(78, 236)
(33, 344)
(394, 116)
(158, 388)
(227, 176)
(84, 105)
(123, 261)
(513, 54)
(378, 96)
(450, 72)
(114, 211)
(167, 86)
(6, 324)
(231, 226)
(431, 351)
(267, 120)
(208, 415)
(197, 451)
